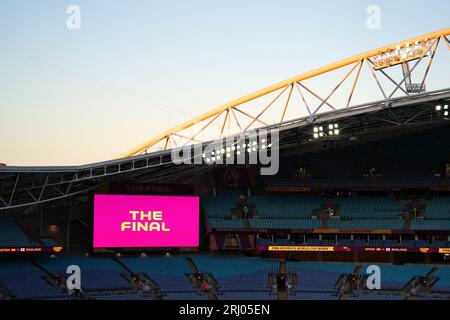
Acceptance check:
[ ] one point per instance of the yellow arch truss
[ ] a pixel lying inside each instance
(375, 59)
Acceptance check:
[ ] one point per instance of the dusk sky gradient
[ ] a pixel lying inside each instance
(137, 68)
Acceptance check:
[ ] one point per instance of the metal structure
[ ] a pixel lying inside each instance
(238, 117)
(22, 187)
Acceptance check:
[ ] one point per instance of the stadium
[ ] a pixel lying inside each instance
(357, 185)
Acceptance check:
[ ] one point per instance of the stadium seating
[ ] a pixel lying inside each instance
(220, 206)
(12, 236)
(395, 159)
(366, 224)
(286, 211)
(237, 278)
(25, 281)
(169, 275)
(258, 223)
(286, 206)
(98, 274)
(365, 207)
(220, 223)
(437, 207)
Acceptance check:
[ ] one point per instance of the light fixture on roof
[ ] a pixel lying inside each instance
(402, 54)
(442, 109)
(318, 131)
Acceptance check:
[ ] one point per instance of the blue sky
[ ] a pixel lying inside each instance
(136, 68)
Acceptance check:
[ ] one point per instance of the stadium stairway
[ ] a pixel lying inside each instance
(207, 279)
(101, 277)
(347, 284)
(143, 281)
(420, 284)
(54, 280)
(5, 294)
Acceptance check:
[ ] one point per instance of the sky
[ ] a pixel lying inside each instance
(136, 68)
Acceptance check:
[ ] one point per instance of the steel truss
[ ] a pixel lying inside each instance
(151, 161)
(28, 186)
(239, 117)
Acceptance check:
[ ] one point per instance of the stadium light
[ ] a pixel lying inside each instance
(403, 54)
(236, 149)
(442, 108)
(318, 131)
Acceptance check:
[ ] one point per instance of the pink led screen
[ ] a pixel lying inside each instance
(129, 221)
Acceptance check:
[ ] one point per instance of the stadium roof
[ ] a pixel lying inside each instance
(405, 105)
(25, 186)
